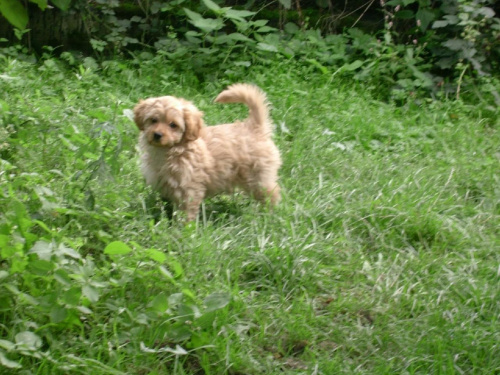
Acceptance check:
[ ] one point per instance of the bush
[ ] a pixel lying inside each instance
(437, 49)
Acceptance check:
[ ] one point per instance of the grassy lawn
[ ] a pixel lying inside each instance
(381, 259)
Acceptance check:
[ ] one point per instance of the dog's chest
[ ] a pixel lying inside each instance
(170, 173)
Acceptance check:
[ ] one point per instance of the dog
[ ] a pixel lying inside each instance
(187, 161)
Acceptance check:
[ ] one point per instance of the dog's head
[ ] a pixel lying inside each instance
(167, 121)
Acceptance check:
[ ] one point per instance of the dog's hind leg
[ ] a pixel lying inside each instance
(266, 191)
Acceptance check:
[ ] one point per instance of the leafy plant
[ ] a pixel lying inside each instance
(229, 36)
(457, 36)
(15, 12)
(60, 292)
(473, 32)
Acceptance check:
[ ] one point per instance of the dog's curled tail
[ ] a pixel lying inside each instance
(254, 98)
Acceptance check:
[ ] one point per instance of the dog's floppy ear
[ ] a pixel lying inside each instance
(139, 114)
(193, 118)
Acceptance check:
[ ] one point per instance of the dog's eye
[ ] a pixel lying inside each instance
(154, 120)
(172, 125)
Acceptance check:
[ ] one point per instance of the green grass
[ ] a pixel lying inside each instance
(382, 257)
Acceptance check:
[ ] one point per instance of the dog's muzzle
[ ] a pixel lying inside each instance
(157, 136)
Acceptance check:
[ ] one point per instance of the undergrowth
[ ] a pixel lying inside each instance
(382, 257)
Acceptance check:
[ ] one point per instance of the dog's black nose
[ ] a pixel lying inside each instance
(157, 136)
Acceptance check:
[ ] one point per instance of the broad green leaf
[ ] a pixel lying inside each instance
(425, 78)
(242, 63)
(425, 16)
(190, 33)
(239, 15)
(486, 12)
(23, 219)
(193, 15)
(288, 52)
(156, 255)
(267, 47)
(211, 5)
(216, 301)
(62, 4)
(291, 28)
(205, 24)
(4, 361)
(42, 4)
(176, 267)
(187, 312)
(451, 18)
(91, 293)
(160, 303)
(28, 340)
(189, 294)
(455, 44)
(353, 66)
(26, 298)
(7, 345)
(439, 24)
(41, 224)
(265, 29)
(8, 251)
(84, 310)
(206, 320)
(15, 13)
(166, 273)
(287, 4)
(43, 249)
(222, 39)
(41, 267)
(316, 63)
(64, 250)
(98, 113)
(4, 106)
(240, 37)
(12, 288)
(208, 24)
(72, 296)
(259, 23)
(58, 314)
(73, 318)
(192, 37)
(175, 299)
(18, 264)
(179, 333)
(62, 277)
(4, 240)
(117, 248)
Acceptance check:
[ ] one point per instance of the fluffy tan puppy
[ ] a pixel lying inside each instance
(187, 162)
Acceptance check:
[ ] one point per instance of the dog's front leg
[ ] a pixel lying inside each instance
(191, 205)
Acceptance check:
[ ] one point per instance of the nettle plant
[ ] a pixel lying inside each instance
(456, 36)
(469, 39)
(52, 294)
(225, 34)
(15, 11)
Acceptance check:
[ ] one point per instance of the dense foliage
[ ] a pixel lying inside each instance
(442, 48)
